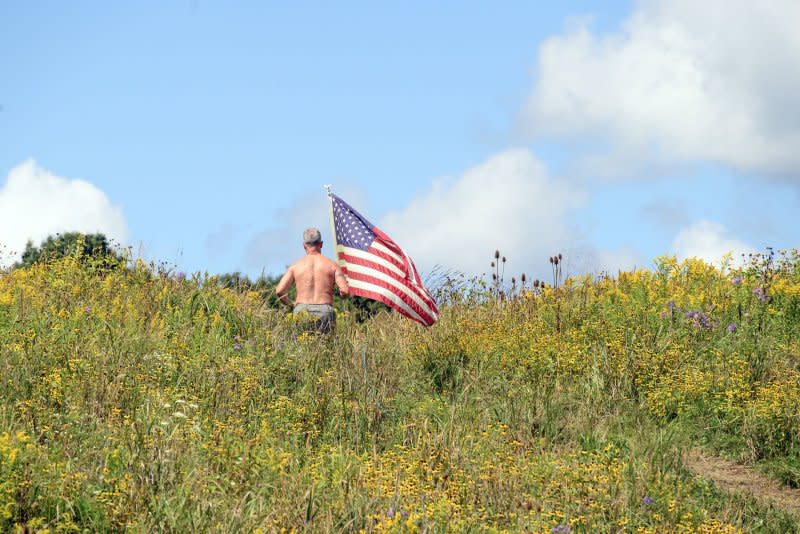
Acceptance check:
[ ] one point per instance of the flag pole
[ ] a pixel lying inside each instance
(333, 226)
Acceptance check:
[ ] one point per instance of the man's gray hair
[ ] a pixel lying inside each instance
(312, 236)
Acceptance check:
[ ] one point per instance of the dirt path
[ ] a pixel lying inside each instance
(731, 476)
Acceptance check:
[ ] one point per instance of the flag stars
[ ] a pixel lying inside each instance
(351, 230)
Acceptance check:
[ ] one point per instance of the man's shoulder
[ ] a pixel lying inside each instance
(300, 262)
(308, 261)
(324, 262)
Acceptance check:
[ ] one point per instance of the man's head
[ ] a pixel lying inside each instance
(312, 239)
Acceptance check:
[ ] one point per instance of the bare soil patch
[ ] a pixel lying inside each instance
(731, 476)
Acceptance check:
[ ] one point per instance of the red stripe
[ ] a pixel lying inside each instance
(390, 259)
(426, 314)
(423, 295)
(390, 244)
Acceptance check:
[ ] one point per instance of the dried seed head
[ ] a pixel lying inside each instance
(492, 264)
(513, 281)
(496, 254)
(551, 259)
(522, 278)
(494, 276)
(504, 259)
(559, 255)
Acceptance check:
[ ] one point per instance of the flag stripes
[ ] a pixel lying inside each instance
(376, 267)
(370, 291)
(412, 300)
(351, 258)
(398, 301)
(353, 253)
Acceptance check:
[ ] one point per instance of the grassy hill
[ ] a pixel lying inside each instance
(134, 400)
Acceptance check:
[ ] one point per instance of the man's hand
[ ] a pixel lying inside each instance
(341, 283)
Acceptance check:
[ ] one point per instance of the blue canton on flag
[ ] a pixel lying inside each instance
(352, 230)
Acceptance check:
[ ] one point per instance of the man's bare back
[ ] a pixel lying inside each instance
(314, 275)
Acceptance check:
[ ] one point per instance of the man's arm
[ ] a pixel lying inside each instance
(282, 289)
(341, 282)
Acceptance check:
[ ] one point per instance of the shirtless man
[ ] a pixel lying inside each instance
(314, 275)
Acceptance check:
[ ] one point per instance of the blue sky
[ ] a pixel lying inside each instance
(204, 132)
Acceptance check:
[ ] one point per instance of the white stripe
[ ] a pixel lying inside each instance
(369, 257)
(389, 280)
(389, 295)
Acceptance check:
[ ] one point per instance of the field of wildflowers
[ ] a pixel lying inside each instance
(132, 399)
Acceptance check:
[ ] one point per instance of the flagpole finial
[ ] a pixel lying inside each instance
(328, 189)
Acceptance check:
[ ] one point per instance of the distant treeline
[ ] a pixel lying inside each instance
(98, 248)
(70, 244)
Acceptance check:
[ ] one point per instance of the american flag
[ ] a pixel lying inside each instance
(376, 267)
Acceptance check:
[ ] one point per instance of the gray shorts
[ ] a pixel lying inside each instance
(324, 315)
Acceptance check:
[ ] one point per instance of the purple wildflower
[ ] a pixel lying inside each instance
(648, 500)
(737, 281)
(237, 346)
(390, 513)
(731, 327)
(700, 319)
(760, 293)
(562, 528)
(181, 276)
(671, 304)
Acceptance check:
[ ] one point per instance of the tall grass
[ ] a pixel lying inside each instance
(134, 400)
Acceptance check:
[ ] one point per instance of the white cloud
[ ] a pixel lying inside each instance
(274, 248)
(507, 203)
(681, 81)
(708, 241)
(35, 203)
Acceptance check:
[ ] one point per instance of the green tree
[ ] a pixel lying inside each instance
(61, 245)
